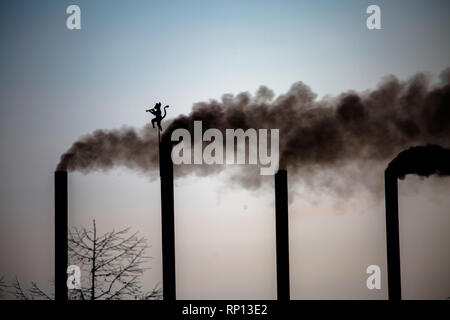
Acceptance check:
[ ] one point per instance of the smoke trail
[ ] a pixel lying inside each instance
(352, 130)
(105, 149)
(423, 161)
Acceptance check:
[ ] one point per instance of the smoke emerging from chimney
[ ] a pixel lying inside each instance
(423, 161)
(351, 130)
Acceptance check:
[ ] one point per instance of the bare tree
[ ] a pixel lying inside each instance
(3, 287)
(111, 267)
(113, 262)
(37, 293)
(17, 291)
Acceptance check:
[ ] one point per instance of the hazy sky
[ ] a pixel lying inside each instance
(57, 84)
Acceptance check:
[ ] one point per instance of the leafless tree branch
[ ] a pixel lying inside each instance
(113, 261)
(35, 291)
(18, 292)
(3, 287)
(112, 265)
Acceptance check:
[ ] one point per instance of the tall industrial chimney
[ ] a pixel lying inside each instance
(167, 221)
(392, 234)
(61, 229)
(282, 234)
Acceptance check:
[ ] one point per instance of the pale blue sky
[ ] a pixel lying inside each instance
(58, 84)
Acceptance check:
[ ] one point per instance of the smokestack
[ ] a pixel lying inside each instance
(392, 235)
(282, 235)
(167, 221)
(61, 222)
(420, 160)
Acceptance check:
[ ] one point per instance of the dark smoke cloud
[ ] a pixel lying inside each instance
(423, 161)
(105, 149)
(352, 133)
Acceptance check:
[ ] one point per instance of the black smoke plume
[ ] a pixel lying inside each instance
(352, 130)
(422, 160)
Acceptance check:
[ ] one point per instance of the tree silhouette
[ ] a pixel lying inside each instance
(3, 287)
(111, 264)
(32, 293)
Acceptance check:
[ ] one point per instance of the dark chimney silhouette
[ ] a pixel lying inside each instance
(167, 220)
(282, 234)
(420, 160)
(61, 229)
(167, 223)
(392, 234)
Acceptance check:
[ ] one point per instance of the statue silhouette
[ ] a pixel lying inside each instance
(156, 111)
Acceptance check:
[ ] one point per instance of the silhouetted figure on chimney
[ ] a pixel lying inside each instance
(156, 111)
(167, 206)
